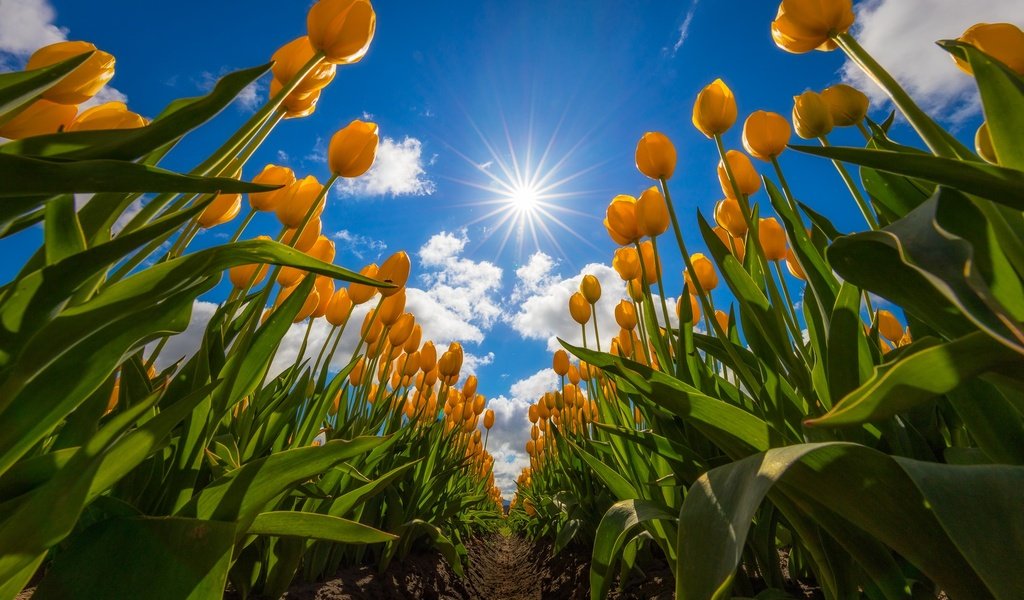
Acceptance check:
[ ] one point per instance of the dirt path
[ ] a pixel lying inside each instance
(504, 568)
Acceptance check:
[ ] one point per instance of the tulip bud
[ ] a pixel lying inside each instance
(983, 144)
(765, 134)
(360, 293)
(889, 326)
(339, 308)
(773, 238)
(323, 249)
(394, 270)
(415, 336)
(341, 29)
(735, 246)
(488, 419)
(714, 112)
(573, 374)
(804, 25)
(469, 387)
(478, 404)
(626, 263)
(296, 104)
(635, 289)
(292, 57)
(793, 266)
(620, 220)
(312, 300)
(272, 175)
(694, 315)
(391, 308)
(109, 115)
(310, 234)
(625, 315)
(241, 275)
(325, 291)
(579, 308)
(729, 215)
(352, 149)
(1002, 41)
(560, 362)
(848, 105)
(223, 208)
(40, 118)
(428, 356)
(401, 331)
(652, 213)
(723, 320)
(743, 171)
(706, 275)
(652, 266)
(656, 156)
(812, 117)
(590, 287)
(81, 84)
(304, 193)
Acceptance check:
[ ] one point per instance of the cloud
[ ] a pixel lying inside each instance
(397, 171)
(901, 35)
(247, 100)
(359, 245)
(684, 27)
(26, 26)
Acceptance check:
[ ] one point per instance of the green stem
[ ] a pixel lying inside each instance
(241, 228)
(865, 210)
(785, 189)
(864, 131)
(661, 291)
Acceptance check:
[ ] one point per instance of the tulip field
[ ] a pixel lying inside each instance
(860, 435)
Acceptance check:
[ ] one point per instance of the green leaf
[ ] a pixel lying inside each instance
(318, 527)
(998, 184)
(165, 558)
(63, 234)
(613, 532)
(358, 496)
(18, 88)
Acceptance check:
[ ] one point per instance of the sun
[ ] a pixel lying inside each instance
(525, 199)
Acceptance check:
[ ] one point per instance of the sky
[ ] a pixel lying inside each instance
(481, 104)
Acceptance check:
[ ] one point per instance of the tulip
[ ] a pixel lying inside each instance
(292, 57)
(626, 263)
(804, 25)
(733, 244)
(573, 374)
(729, 215)
(415, 336)
(1002, 41)
(635, 289)
(312, 300)
(723, 320)
(743, 171)
(812, 117)
(847, 104)
(304, 192)
(560, 363)
(428, 356)
(223, 208)
(625, 315)
(109, 115)
(694, 308)
(488, 419)
(325, 292)
(341, 29)
(579, 308)
(590, 287)
(272, 175)
(773, 238)
(983, 144)
(339, 308)
(625, 342)
(310, 234)
(371, 328)
(296, 104)
(889, 326)
(360, 293)
(765, 134)
(714, 112)
(391, 308)
(322, 249)
(469, 387)
(395, 270)
(706, 275)
(620, 220)
(352, 149)
(241, 275)
(793, 266)
(401, 330)
(652, 266)
(652, 213)
(40, 118)
(656, 156)
(81, 84)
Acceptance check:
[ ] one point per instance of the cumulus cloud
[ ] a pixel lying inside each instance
(397, 171)
(901, 35)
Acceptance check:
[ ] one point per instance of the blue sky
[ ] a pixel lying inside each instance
(459, 88)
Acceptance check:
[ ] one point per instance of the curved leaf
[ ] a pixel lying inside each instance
(612, 534)
(317, 527)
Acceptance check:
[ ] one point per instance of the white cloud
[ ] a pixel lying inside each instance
(464, 288)
(359, 245)
(901, 35)
(248, 100)
(26, 26)
(684, 28)
(397, 171)
(471, 363)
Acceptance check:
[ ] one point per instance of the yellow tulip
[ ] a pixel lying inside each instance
(325, 291)
(312, 300)
(620, 220)
(322, 249)
(360, 293)
(1002, 41)
(40, 118)
(469, 387)
(847, 104)
(289, 60)
(773, 238)
(729, 215)
(694, 308)
(652, 216)
(743, 172)
(590, 287)
(560, 363)
(272, 175)
(804, 25)
(705, 271)
(488, 419)
(401, 330)
(391, 308)
(304, 192)
(723, 320)
(579, 308)
(765, 134)
(109, 115)
(341, 29)
(296, 104)
(625, 315)
(428, 356)
(714, 112)
(983, 144)
(812, 117)
(889, 326)
(223, 208)
(415, 336)
(394, 270)
(82, 83)
(339, 308)
(635, 289)
(310, 234)
(626, 263)
(652, 266)
(353, 149)
(733, 244)
(655, 155)
(241, 275)
(793, 266)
